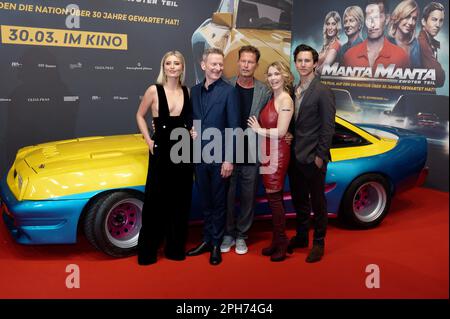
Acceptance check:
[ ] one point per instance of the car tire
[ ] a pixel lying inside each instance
(113, 221)
(366, 201)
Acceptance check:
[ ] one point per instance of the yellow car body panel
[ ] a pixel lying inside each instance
(376, 145)
(78, 166)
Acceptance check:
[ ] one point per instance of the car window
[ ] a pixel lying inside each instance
(264, 14)
(226, 6)
(343, 137)
(344, 101)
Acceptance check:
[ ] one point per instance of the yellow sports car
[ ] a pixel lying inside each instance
(265, 24)
(97, 185)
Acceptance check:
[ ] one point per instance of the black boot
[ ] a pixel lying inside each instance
(298, 241)
(316, 253)
(144, 260)
(268, 251)
(280, 252)
(147, 249)
(173, 254)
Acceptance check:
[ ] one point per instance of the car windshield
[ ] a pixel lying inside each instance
(226, 6)
(264, 14)
(344, 101)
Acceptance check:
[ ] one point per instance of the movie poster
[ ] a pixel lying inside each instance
(379, 58)
(386, 63)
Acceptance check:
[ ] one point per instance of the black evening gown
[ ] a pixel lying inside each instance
(168, 189)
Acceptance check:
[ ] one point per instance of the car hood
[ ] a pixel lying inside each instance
(55, 156)
(278, 40)
(80, 165)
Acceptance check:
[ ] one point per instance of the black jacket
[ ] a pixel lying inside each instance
(314, 127)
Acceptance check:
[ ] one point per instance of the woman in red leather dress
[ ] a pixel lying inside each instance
(273, 124)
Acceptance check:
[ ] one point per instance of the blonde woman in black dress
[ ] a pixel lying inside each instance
(168, 188)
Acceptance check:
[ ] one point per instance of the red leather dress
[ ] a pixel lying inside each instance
(275, 152)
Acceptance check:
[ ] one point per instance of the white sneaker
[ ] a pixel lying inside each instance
(227, 243)
(241, 246)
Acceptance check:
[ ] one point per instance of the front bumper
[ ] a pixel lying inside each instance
(52, 221)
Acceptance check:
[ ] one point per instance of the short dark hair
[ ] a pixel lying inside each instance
(432, 6)
(304, 47)
(378, 2)
(251, 49)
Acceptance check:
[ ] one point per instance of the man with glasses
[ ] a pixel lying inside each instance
(376, 49)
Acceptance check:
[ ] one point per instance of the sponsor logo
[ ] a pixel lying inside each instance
(120, 98)
(16, 64)
(138, 67)
(71, 98)
(46, 66)
(78, 65)
(4, 100)
(104, 67)
(96, 98)
(38, 99)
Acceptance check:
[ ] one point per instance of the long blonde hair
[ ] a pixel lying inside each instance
(162, 77)
(402, 11)
(285, 73)
(326, 41)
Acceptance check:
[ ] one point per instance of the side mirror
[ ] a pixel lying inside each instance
(387, 112)
(223, 18)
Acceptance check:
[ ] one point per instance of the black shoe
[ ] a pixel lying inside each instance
(315, 254)
(297, 242)
(174, 253)
(177, 257)
(269, 251)
(146, 260)
(216, 256)
(200, 249)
